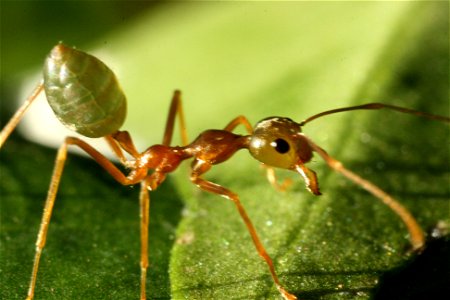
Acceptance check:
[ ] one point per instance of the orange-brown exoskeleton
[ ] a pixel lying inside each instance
(85, 96)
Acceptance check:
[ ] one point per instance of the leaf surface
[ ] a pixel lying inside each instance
(257, 59)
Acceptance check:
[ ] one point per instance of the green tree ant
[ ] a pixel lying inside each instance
(85, 96)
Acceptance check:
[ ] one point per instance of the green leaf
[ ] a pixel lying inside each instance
(257, 59)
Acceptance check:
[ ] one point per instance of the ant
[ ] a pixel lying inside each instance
(86, 97)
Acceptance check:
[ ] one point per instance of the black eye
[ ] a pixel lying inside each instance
(280, 145)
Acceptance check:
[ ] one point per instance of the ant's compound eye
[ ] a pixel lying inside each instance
(273, 151)
(280, 145)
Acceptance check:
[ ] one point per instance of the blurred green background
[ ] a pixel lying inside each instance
(229, 58)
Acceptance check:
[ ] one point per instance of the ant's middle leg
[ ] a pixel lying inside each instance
(200, 168)
(272, 178)
(150, 183)
(241, 120)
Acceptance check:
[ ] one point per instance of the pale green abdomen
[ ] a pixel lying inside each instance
(83, 92)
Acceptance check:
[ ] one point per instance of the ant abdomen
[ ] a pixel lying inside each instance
(83, 92)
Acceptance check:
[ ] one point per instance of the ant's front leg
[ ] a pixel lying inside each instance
(199, 168)
(416, 234)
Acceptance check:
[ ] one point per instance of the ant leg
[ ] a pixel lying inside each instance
(6, 131)
(200, 168)
(135, 176)
(121, 140)
(144, 214)
(61, 157)
(48, 207)
(241, 120)
(175, 107)
(150, 183)
(116, 148)
(416, 234)
(272, 178)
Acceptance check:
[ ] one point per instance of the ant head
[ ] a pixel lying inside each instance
(278, 142)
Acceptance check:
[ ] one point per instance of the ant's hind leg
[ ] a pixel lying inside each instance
(6, 131)
(121, 140)
(175, 107)
(49, 202)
